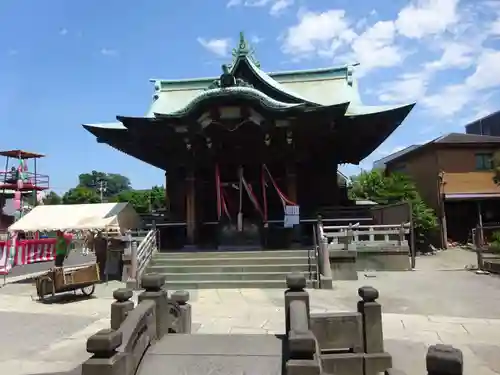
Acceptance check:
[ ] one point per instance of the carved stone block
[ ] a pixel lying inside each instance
(444, 360)
(338, 331)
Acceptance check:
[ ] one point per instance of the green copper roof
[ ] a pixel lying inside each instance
(242, 92)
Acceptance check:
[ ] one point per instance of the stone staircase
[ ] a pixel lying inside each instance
(231, 269)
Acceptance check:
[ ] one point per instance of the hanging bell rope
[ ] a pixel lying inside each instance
(285, 201)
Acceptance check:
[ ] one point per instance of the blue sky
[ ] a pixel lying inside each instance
(64, 63)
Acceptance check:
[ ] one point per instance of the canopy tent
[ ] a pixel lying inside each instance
(97, 216)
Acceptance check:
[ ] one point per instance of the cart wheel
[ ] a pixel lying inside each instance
(43, 290)
(88, 290)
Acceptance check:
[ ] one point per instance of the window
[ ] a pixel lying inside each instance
(484, 162)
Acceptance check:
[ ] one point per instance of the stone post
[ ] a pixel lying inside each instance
(301, 345)
(153, 285)
(371, 313)
(444, 360)
(121, 307)
(326, 269)
(130, 261)
(402, 235)
(105, 359)
(181, 297)
(296, 283)
(349, 238)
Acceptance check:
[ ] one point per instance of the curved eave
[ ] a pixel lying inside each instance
(119, 137)
(232, 95)
(368, 129)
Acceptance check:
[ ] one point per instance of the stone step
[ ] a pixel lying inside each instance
(157, 261)
(226, 276)
(217, 268)
(224, 284)
(233, 254)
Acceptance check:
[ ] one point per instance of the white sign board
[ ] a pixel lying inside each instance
(292, 216)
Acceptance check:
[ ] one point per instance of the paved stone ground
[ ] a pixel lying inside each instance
(421, 308)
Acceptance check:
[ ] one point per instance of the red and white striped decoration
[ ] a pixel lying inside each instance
(27, 252)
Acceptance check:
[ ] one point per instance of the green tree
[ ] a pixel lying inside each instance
(80, 195)
(114, 183)
(395, 188)
(144, 201)
(52, 198)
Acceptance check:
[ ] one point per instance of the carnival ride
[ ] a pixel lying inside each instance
(19, 182)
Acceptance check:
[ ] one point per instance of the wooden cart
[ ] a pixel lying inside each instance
(60, 280)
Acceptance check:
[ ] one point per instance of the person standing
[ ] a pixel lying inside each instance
(62, 247)
(101, 253)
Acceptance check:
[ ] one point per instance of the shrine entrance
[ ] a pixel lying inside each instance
(240, 207)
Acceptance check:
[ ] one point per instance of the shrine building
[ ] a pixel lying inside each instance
(242, 148)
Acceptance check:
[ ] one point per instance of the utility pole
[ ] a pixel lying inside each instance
(103, 186)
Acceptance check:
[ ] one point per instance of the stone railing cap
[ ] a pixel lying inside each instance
(368, 293)
(123, 294)
(295, 281)
(152, 281)
(180, 296)
(444, 359)
(104, 341)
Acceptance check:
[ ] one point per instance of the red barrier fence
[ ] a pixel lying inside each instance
(27, 252)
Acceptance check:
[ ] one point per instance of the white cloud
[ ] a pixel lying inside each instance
(455, 55)
(375, 47)
(276, 6)
(472, 92)
(324, 34)
(408, 88)
(108, 52)
(255, 39)
(487, 73)
(427, 17)
(318, 33)
(279, 6)
(448, 101)
(495, 27)
(219, 47)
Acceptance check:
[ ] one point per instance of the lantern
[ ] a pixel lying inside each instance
(17, 195)
(17, 204)
(20, 184)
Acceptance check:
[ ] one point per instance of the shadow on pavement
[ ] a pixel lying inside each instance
(76, 371)
(64, 298)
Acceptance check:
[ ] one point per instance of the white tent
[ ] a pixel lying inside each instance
(97, 216)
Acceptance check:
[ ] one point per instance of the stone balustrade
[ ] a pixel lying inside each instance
(353, 248)
(119, 350)
(346, 343)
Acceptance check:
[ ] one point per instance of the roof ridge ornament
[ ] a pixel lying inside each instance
(244, 49)
(227, 79)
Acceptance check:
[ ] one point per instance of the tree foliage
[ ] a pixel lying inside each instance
(52, 198)
(144, 201)
(114, 183)
(395, 188)
(80, 195)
